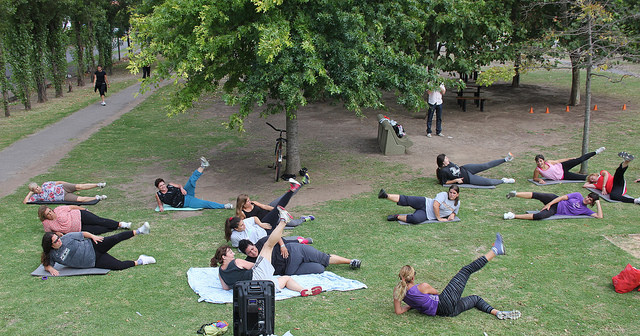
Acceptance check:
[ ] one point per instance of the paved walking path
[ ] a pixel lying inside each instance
(33, 155)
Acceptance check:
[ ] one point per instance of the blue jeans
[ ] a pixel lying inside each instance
(438, 110)
(189, 199)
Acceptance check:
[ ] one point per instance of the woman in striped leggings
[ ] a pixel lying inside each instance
(449, 302)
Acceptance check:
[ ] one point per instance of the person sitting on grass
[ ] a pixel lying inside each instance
(559, 169)
(253, 229)
(246, 208)
(61, 191)
(426, 299)
(301, 258)
(614, 185)
(73, 218)
(444, 207)
(233, 270)
(178, 197)
(450, 173)
(567, 205)
(86, 250)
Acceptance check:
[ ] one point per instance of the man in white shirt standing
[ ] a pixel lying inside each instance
(435, 104)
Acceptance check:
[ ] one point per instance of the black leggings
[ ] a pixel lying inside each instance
(545, 198)
(572, 163)
(451, 303)
(273, 217)
(104, 260)
(95, 224)
(619, 186)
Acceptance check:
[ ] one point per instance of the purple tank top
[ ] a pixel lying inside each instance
(424, 303)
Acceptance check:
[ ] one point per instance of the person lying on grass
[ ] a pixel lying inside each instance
(61, 191)
(614, 185)
(246, 208)
(184, 197)
(233, 270)
(73, 218)
(567, 205)
(450, 173)
(300, 259)
(444, 207)
(426, 299)
(559, 169)
(86, 250)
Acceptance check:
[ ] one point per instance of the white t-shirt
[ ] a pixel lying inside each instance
(435, 97)
(446, 205)
(252, 231)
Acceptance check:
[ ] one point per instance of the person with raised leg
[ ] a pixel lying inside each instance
(615, 185)
(178, 196)
(426, 299)
(559, 169)
(450, 173)
(567, 205)
(233, 270)
(444, 207)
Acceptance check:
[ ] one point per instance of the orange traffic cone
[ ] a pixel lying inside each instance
(595, 107)
(567, 108)
(531, 109)
(547, 111)
(624, 107)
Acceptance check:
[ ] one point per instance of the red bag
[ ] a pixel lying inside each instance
(627, 280)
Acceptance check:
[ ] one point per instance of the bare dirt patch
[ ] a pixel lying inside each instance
(629, 243)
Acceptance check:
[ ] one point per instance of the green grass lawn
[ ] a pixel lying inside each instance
(557, 273)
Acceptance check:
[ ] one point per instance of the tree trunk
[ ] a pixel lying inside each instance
(293, 143)
(574, 96)
(4, 87)
(57, 59)
(515, 81)
(79, 52)
(90, 47)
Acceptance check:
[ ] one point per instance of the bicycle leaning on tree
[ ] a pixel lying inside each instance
(279, 151)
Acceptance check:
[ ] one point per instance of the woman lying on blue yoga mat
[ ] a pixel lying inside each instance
(426, 299)
(444, 207)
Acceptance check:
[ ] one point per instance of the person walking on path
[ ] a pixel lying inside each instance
(184, 197)
(101, 83)
(435, 105)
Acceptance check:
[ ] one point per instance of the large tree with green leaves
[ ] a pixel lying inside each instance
(284, 54)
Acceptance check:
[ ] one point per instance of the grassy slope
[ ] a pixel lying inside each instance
(558, 273)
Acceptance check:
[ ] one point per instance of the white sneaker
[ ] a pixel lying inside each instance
(509, 215)
(146, 260)
(440, 134)
(428, 135)
(509, 157)
(284, 214)
(508, 315)
(600, 150)
(508, 180)
(103, 104)
(125, 225)
(204, 162)
(144, 229)
(637, 200)
(101, 197)
(101, 184)
(228, 206)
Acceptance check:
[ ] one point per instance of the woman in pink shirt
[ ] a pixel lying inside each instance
(559, 169)
(72, 218)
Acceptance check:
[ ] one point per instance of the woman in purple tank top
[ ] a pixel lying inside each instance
(449, 302)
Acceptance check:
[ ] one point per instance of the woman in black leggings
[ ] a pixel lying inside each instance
(86, 250)
(615, 186)
(449, 302)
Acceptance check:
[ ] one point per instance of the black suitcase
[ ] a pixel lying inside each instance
(253, 308)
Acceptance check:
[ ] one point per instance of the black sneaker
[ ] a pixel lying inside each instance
(392, 218)
(382, 194)
(355, 263)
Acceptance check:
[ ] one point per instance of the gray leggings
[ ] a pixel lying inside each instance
(474, 168)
